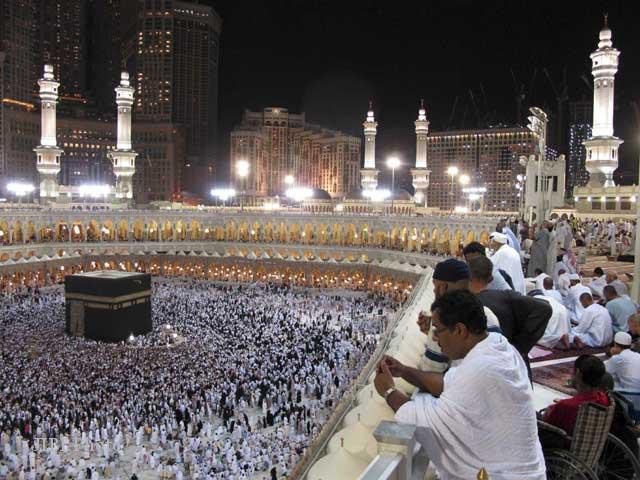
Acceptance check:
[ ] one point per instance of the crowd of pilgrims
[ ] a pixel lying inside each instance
(250, 381)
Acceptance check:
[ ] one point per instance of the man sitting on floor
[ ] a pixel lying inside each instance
(587, 378)
(549, 291)
(479, 414)
(572, 302)
(620, 309)
(594, 329)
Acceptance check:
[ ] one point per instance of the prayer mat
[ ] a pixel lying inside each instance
(555, 376)
(556, 353)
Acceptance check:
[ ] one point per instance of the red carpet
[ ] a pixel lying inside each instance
(555, 376)
(556, 353)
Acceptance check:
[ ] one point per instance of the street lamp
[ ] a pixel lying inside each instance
(20, 189)
(289, 180)
(464, 180)
(223, 194)
(242, 170)
(452, 171)
(393, 163)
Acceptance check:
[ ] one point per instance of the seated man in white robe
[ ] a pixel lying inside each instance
(598, 281)
(572, 302)
(548, 290)
(559, 323)
(479, 414)
(595, 328)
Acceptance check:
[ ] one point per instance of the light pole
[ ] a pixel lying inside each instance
(19, 190)
(538, 125)
(393, 163)
(452, 171)
(521, 187)
(242, 170)
(464, 180)
(289, 180)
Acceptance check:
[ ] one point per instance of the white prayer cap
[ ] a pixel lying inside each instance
(622, 338)
(574, 276)
(498, 237)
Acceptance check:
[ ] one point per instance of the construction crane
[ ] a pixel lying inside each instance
(562, 96)
(523, 93)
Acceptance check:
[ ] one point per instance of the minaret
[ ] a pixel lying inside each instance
(602, 147)
(47, 152)
(123, 157)
(369, 174)
(420, 174)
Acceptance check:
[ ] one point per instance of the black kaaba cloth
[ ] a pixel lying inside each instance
(108, 305)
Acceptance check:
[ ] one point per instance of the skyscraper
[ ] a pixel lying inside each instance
(176, 60)
(110, 22)
(18, 81)
(580, 122)
(61, 37)
(17, 28)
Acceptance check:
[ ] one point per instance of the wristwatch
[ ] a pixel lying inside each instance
(389, 392)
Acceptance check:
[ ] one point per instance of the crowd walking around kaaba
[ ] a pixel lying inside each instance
(233, 382)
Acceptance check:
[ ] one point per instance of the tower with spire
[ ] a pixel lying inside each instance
(602, 146)
(123, 157)
(48, 153)
(369, 174)
(420, 173)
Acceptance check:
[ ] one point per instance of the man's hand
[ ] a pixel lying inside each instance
(384, 379)
(424, 322)
(394, 366)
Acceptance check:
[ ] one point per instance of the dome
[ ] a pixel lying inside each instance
(339, 464)
(357, 440)
(401, 195)
(319, 194)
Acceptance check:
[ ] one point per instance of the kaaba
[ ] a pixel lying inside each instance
(108, 305)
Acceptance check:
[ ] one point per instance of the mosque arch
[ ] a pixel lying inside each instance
(18, 235)
(123, 231)
(108, 231)
(471, 237)
(77, 231)
(484, 238)
(5, 234)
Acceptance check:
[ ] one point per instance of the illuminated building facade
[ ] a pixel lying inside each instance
(176, 63)
(277, 143)
(490, 157)
(580, 122)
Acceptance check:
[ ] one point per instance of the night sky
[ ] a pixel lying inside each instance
(328, 58)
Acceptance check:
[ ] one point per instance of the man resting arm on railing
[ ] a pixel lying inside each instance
(484, 416)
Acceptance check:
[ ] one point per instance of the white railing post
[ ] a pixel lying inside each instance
(396, 444)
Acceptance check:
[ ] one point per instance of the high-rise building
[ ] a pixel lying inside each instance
(110, 23)
(491, 159)
(277, 143)
(18, 42)
(176, 62)
(580, 121)
(62, 42)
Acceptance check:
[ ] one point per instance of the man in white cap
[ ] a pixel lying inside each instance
(572, 302)
(624, 367)
(507, 259)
